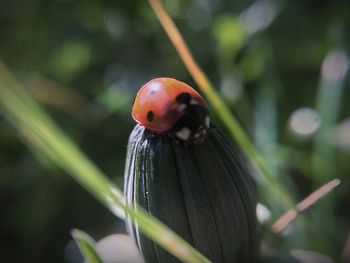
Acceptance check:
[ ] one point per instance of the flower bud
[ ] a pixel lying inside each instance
(204, 192)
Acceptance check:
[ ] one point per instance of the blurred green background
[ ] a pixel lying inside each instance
(281, 65)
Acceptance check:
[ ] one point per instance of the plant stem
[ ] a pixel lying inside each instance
(281, 195)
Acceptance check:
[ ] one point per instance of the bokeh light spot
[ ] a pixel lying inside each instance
(304, 121)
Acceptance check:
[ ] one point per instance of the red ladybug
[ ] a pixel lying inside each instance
(169, 106)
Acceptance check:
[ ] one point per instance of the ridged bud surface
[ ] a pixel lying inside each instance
(204, 192)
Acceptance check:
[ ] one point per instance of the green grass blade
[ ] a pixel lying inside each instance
(87, 246)
(329, 101)
(280, 197)
(45, 136)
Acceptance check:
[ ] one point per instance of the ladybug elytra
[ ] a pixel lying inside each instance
(169, 106)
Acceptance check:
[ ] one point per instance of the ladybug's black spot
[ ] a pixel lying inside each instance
(184, 98)
(150, 116)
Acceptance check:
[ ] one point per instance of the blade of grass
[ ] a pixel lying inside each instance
(306, 203)
(332, 86)
(87, 246)
(329, 100)
(267, 179)
(44, 135)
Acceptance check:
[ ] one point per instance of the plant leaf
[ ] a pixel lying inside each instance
(44, 135)
(87, 246)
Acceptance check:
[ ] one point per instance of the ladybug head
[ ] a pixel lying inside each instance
(193, 120)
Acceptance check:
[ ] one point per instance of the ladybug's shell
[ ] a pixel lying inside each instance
(159, 97)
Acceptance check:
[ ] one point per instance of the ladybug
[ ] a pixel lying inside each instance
(169, 106)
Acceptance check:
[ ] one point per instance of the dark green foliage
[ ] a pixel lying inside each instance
(104, 51)
(204, 192)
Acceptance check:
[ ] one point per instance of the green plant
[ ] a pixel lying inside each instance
(47, 138)
(202, 191)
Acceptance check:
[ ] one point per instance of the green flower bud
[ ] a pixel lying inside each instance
(204, 192)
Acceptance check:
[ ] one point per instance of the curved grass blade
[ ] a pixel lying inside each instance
(45, 136)
(87, 246)
(281, 196)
